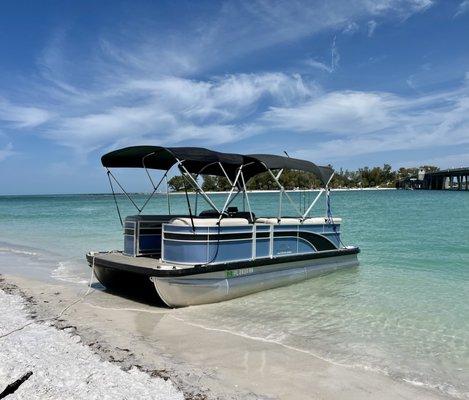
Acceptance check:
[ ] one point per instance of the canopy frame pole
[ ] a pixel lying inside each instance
(233, 187)
(115, 199)
(324, 189)
(155, 188)
(196, 185)
(234, 197)
(282, 189)
(221, 167)
(330, 179)
(328, 198)
(167, 193)
(279, 217)
(246, 194)
(189, 206)
(123, 190)
(224, 172)
(313, 203)
(279, 197)
(239, 190)
(145, 167)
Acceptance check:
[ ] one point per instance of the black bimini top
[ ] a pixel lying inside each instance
(271, 161)
(196, 160)
(199, 160)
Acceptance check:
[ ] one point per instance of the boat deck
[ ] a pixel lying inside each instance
(145, 264)
(156, 267)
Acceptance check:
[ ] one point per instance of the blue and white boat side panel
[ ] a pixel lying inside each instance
(217, 244)
(203, 245)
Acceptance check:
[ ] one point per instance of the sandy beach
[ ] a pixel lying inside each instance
(107, 346)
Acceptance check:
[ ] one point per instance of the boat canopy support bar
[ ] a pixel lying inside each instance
(325, 189)
(282, 191)
(195, 184)
(233, 187)
(313, 203)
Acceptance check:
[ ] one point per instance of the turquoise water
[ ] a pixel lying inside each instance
(404, 311)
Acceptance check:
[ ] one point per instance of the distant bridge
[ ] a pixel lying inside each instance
(447, 179)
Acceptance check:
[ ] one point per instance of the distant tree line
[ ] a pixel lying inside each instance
(365, 177)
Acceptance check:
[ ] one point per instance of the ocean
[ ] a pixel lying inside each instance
(403, 312)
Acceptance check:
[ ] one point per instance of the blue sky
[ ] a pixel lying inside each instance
(352, 83)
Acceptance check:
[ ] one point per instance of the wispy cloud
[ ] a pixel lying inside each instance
(318, 65)
(371, 27)
(351, 28)
(169, 110)
(462, 8)
(157, 86)
(334, 60)
(23, 116)
(6, 152)
(335, 56)
(368, 122)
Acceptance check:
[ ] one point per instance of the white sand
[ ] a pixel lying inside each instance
(64, 368)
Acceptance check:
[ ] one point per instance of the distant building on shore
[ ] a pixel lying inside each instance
(448, 179)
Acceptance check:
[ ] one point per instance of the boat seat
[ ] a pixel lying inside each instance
(321, 220)
(234, 213)
(296, 221)
(184, 221)
(210, 214)
(250, 216)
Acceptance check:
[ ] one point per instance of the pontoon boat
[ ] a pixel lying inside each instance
(221, 253)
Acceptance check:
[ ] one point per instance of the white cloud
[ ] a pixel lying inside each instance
(335, 112)
(23, 116)
(334, 60)
(462, 8)
(141, 87)
(372, 27)
(6, 152)
(453, 160)
(318, 65)
(170, 110)
(335, 56)
(238, 29)
(350, 123)
(351, 28)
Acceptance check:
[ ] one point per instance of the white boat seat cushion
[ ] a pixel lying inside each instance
(185, 221)
(270, 221)
(321, 220)
(296, 221)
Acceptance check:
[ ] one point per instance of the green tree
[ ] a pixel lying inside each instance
(210, 183)
(177, 182)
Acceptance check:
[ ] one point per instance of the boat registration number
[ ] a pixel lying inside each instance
(239, 272)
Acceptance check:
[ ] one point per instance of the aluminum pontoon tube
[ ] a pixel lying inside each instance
(216, 287)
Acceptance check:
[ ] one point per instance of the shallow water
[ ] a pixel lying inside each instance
(404, 311)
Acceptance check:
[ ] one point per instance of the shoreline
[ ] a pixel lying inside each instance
(222, 364)
(179, 193)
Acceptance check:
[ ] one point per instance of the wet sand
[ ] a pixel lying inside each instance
(202, 362)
